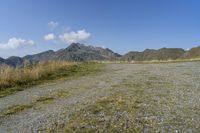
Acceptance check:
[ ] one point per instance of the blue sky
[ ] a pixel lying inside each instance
(32, 26)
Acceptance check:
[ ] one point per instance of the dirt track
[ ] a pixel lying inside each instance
(167, 97)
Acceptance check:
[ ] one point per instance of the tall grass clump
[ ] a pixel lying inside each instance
(10, 76)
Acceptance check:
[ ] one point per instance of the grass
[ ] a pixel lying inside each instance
(44, 99)
(151, 61)
(62, 94)
(36, 104)
(129, 109)
(109, 114)
(19, 108)
(14, 110)
(114, 113)
(17, 79)
(148, 101)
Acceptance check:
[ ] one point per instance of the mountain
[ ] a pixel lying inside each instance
(2, 60)
(14, 61)
(74, 52)
(151, 54)
(192, 53)
(44, 56)
(81, 52)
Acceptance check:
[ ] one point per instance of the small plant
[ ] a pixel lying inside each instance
(44, 99)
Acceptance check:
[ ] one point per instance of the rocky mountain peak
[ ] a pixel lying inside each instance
(74, 47)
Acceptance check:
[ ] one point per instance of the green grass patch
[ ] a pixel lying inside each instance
(14, 110)
(62, 94)
(20, 108)
(44, 99)
(110, 114)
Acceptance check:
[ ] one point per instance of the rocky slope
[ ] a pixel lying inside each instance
(80, 52)
(75, 52)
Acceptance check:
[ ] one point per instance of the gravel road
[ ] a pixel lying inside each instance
(171, 101)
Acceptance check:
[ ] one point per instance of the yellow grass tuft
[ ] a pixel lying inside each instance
(10, 76)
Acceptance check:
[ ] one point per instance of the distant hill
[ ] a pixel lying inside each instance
(151, 54)
(1, 60)
(44, 56)
(14, 61)
(75, 52)
(192, 53)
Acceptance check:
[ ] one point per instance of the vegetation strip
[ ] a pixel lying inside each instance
(19, 108)
(17, 79)
(149, 62)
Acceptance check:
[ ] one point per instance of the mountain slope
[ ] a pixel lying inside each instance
(2, 60)
(74, 52)
(44, 56)
(80, 52)
(151, 54)
(193, 53)
(14, 61)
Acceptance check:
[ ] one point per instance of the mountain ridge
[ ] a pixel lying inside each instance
(163, 54)
(74, 52)
(81, 52)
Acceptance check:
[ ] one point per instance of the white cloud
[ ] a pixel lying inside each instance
(73, 37)
(69, 37)
(52, 25)
(15, 43)
(49, 37)
(187, 49)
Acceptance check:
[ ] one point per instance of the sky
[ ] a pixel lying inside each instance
(33, 26)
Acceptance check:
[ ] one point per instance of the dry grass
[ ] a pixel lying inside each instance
(17, 79)
(10, 77)
(150, 61)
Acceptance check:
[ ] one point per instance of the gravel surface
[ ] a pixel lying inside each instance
(170, 100)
